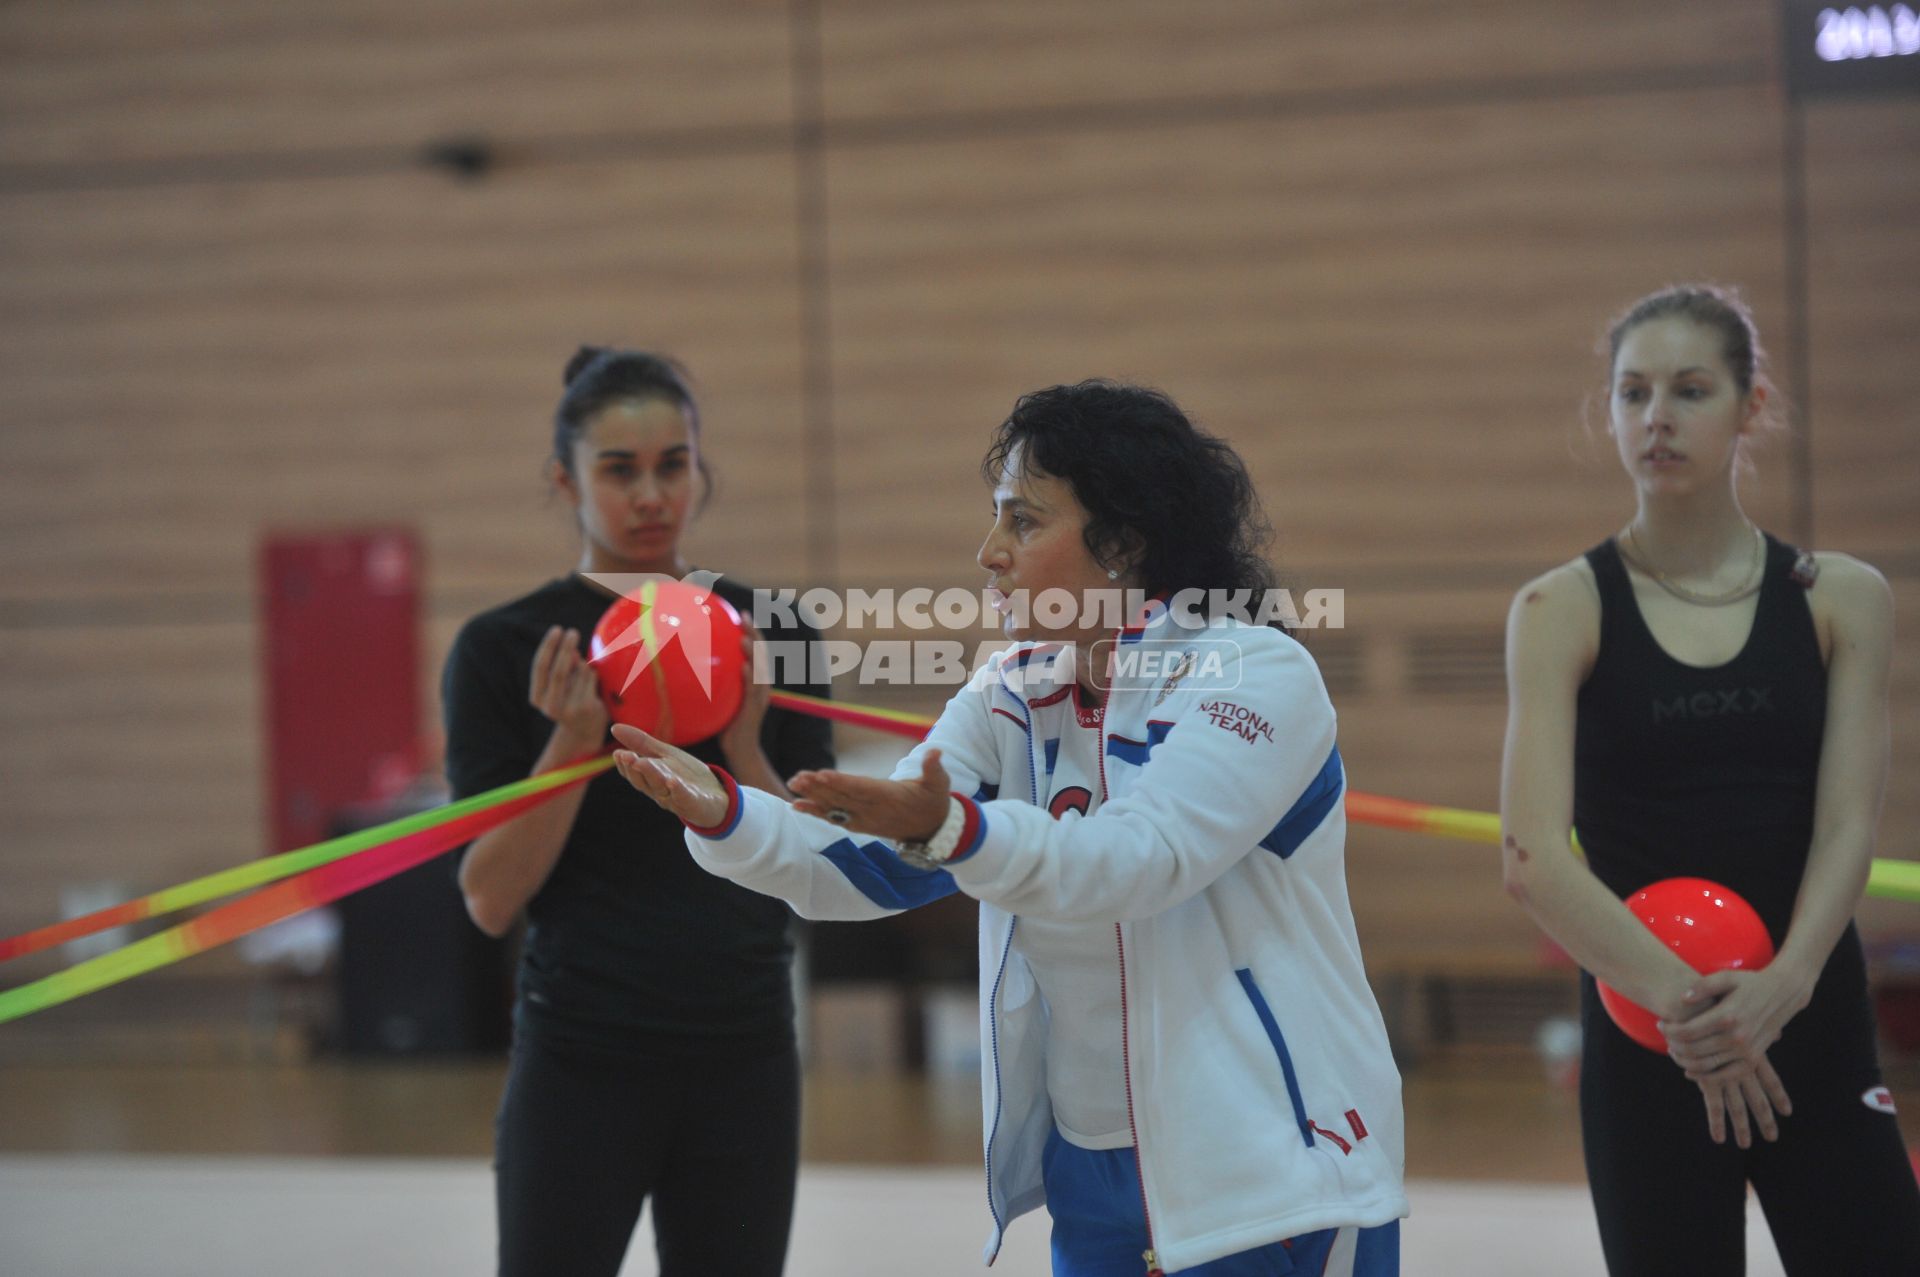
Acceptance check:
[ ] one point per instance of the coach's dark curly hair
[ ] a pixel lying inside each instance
(1162, 496)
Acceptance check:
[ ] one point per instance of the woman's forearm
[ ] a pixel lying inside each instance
(504, 867)
(1585, 919)
(1830, 891)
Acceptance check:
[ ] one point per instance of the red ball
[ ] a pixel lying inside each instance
(669, 661)
(1709, 926)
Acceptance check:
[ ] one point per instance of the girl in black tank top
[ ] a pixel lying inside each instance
(1702, 772)
(1761, 771)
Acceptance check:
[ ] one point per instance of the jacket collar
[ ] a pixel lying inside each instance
(1036, 670)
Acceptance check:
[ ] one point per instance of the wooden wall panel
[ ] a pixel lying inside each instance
(1900, 819)
(1372, 243)
(1392, 315)
(1864, 399)
(886, 60)
(1863, 185)
(110, 81)
(186, 366)
(1415, 897)
(130, 756)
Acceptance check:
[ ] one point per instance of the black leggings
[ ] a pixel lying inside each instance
(1837, 1189)
(586, 1135)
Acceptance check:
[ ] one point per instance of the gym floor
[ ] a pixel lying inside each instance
(382, 1168)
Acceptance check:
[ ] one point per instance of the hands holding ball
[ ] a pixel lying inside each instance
(1710, 927)
(671, 660)
(649, 652)
(1735, 1013)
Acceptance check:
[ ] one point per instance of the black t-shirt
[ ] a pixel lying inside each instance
(629, 943)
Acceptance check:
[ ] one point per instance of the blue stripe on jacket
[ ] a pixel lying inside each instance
(1306, 814)
(882, 877)
(1138, 752)
(1312, 808)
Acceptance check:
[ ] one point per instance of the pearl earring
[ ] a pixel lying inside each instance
(1113, 574)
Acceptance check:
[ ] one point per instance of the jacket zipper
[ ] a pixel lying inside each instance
(1133, 1125)
(993, 1012)
(1126, 1058)
(999, 1093)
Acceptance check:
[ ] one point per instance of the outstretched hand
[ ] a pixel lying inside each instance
(897, 810)
(670, 776)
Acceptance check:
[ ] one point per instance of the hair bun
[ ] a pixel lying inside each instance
(578, 364)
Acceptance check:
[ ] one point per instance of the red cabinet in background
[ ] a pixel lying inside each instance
(342, 632)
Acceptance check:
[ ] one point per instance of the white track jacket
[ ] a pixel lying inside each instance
(1263, 1096)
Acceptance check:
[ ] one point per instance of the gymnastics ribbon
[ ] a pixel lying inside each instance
(273, 868)
(250, 913)
(1887, 880)
(319, 874)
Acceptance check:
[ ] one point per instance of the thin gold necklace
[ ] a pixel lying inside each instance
(1752, 583)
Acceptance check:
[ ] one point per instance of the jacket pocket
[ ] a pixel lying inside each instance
(1279, 1043)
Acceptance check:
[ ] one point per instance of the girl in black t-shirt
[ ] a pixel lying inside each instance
(1702, 700)
(653, 1036)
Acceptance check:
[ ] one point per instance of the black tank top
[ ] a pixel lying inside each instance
(1683, 771)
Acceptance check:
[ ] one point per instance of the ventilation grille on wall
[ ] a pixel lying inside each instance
(1456, 663)
(1342, 661)
(1494, 1011)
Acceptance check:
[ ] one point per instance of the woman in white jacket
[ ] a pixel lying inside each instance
(1184, 1061)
